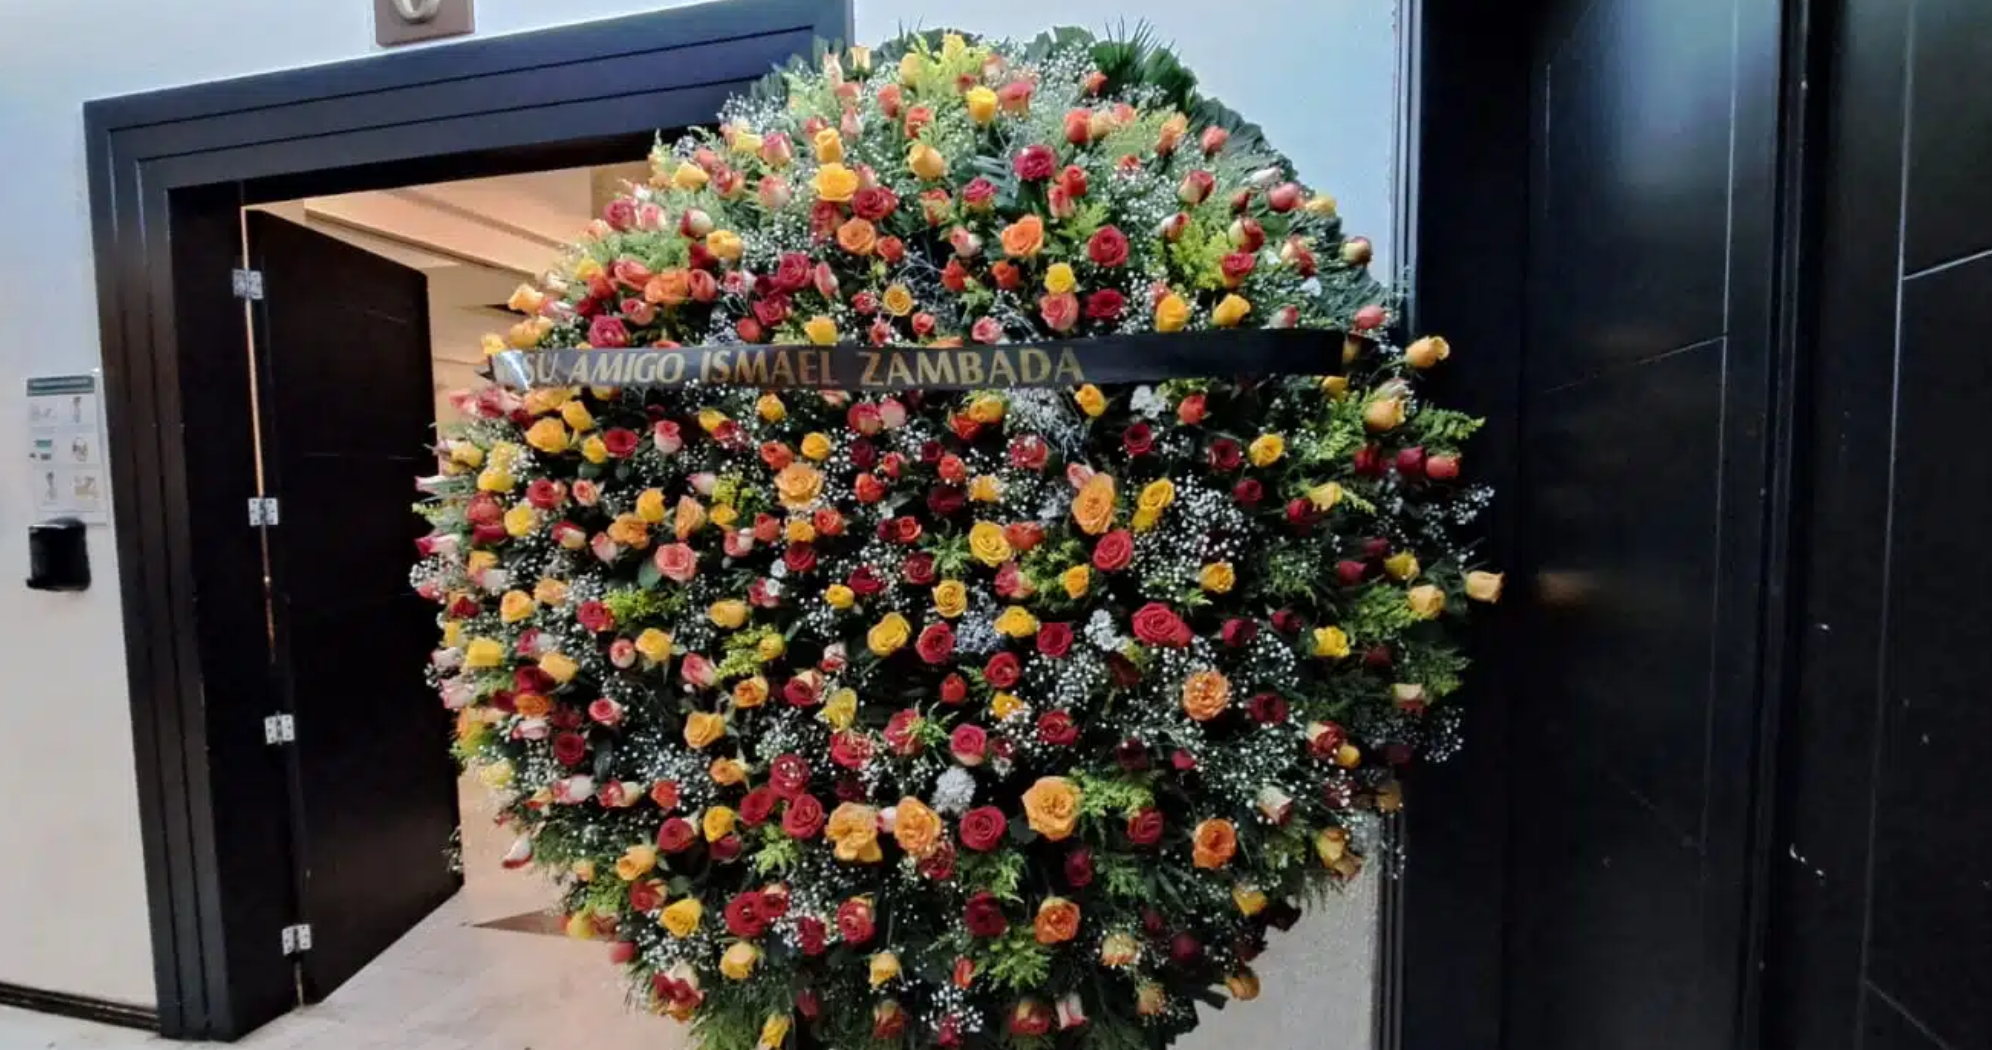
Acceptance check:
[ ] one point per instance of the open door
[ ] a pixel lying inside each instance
(346, 409)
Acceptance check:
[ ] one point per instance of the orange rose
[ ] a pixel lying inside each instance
(799, 484)
(1215, 843)
(1057, 921)
(1205, 695)
(669, 287)
(854, 828)
(857, 236)
(532, 705)
(1052, 807)
(916, 827)
(1024, 238)
(1093, 507)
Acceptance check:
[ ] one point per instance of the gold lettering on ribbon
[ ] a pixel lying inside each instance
(671, 368)
(712, 366)
(1068, 362)
(969, 368)
(784, 370)
(1033, 364)
(544, 372)
(643, 372)
(751, 365)
(897, 371)
(935, 366)
(870, 378)
(578, 374)
(1001, 372)
(805, 369)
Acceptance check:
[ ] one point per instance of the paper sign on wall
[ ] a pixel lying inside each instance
(68, 473)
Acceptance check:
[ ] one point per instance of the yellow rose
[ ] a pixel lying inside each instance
(727, 772)
(910, 67)
(452, 634)
(492, 343)
(711, 419)
(888, 635)
(1320, 204)
(654, 644)
(729, 613)
(1336, 387)
(1003, 705)
(1244, 985)
(745, 143)
(1386, 413)
(1230, 310)
(581, 926)
(798, 484)
(750, 692)
(497, 776)
(1401, 566)
(1093, 505)
(636, 862)
(884, 967)
(548, 435)
(515, 606)
(1266, 450)
(950, 598)
(1427, 352)
(689, 176)
(681, 920)
(821, 330)
(774, 1032)
(838, 596)
(1157, 495)
(987, 543)
(702, 728)
(724, 244)
(1145, 519)
(898, 301)
(926, 162)
(578, 418)
(1325, 495)
(549, 398)
(650, 506)
(1059, 279)
(981, 104)
(718, 823)
(1205, 695)
(1331, 844)
(525, 335)
(829, 146)
(1052, 808)
(560, 667)
(984, 488)
(739, 961)
(1250, 900)
(1016, 622)
(496, 479)
(1483, 586)
(799, 530)
(770, 647)
(550, 592)
(1076, 580)
(1090, 400)
(1217, 577)
(482, 653)
(986, 409)
(770, 408)
(840, 710)
(630, 531)
(816, 446)
(594, 449)
(583, 869)
(725, 515)
(854, 828)
(835, 182)
(1172, 314)
(1426, 601)
(1331, 643)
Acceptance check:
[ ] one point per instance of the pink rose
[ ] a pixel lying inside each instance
(1060, 310)
(678, 562)
(1036, 163)
(606, 712)
(606, 332)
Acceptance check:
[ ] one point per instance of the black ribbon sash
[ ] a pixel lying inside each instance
(1144, 357)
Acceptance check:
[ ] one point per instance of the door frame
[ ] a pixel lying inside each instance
(168, 173)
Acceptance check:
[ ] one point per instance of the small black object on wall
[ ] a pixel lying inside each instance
(58, 556)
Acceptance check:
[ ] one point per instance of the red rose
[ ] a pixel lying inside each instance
(1114, 551)
(1145, 827)
(1157, 624)
(1192, 409)
(946, 500)
(1003, 670)
(978, 194)
(788, 776)
(1079, 868)
(645, 896)
(1323, 743)
(865, 418)
(1138, 439)
(1237, 266)
(954, 689)
(757, 807)
(1073, 181)
(939, 864)
(906, 528)
(1369, 461)
(1108, 247)
(1060, 310)
(799, 557)
(1054, 639)
(1287, 622)
(868, 488)
(801, 691)
(1105, 304)
(725, 849)
(983, 915)
(902, 733)
(864, 581)
(919, 569)
(570, 749)
(1266, 709)
(969, 744)
(875, 203)
(620, 213)
(743, 915)
(1035, 163)
(1029, 452)
(854, 921)
(814, 938)
(891, 249)
(772, 310)
(676, 835)
(1030, 1018)
(850, 750)
(1023, 536)
(607, 333)
(793, 273)
(1057, 729)
(1248, 492)
(665, 794)
(1225, 455)
(621, 442)
(1238, 632)
(595, 616)
(803, 818)
(982, 828)
(1011, 582)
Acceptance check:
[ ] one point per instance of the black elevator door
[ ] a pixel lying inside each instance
(347, 407)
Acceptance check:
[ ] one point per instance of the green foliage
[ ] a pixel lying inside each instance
(1444, 428)
(633, 606)
(1380, 611)
(1124, 877)
(1001, 872)
(777, 852)
(1015, 960)
(1114, 795)
(1437, 668)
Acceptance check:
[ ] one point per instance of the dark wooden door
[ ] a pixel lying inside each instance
(347, 407)
(1881, 932)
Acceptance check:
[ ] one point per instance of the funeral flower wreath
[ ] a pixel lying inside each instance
(1012, 716)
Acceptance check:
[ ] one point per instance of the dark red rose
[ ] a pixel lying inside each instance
(1301, 514)
(1036, 163)
(1376, 547)
(919, 569)
(954, 689)
(595, 616)
(803, 818)
(788, 776)
(983, 915)
(676, 835)
(758, 806)
(1350, 571)
(1108, 247)
(1239, 632)
(1054, 639)
(902, 732)
(802, 692)
(1183, 761)
(931, 452)
(1123, 671)
(1132, 755)
(1237, 266)
(1105, 304)
(799, 557)
(854, 921)
(1114, 551)
(1288, 622)
(565, 718)
(621, 442)
(936, 643)
(570, 749)
(1369, 461)
(814, 938)
(1057, 729)
(743, 915)
(1267, 709)
(1028, 452)
(1184, 949)
(1325, 741)
(946, 500)
(1003, 670)
(939, 864)
(645, 896)
(864, 454)
(874, 204)
(979, 193)
(1157, 624)
(982, 828)
(1411, 462)
(1138, 439)
(1079, 868)
(772, 310)
(864, 581)
(1377, 656)
(850, 750)
(1248, 492)
(793, 273)
(1225, 455)
(1145, 827)
(725, 849)
(1152, 922)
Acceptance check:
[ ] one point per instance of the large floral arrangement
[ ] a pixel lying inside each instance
(1001, 716)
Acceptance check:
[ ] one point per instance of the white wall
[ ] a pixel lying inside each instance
(1317, 74)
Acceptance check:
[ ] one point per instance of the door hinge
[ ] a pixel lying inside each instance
(263, 510)
(246, 284)
(297, 939)
(280, 729)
